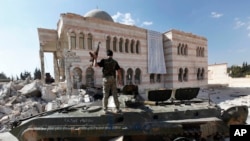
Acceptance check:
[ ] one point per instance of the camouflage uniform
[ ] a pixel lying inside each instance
(109, 80)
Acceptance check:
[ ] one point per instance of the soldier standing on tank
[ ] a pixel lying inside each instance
(109, 69)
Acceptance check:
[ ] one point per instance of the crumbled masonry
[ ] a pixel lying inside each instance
(22, 99)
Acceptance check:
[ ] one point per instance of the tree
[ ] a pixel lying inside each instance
(12, 78)
(244, 68)
(239, 71)
(3, 76)
(24, 75)
(236, 71)
(37, 74)
(17, 78)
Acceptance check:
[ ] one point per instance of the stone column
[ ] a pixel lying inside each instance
(56, 67)
(77, 41)
(85, 41)
(42, 65)
(69, 41)
(68, 78)
(62, 76)
(111, 43)
(67, 73)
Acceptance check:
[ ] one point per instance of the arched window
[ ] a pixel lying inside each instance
(132, 46)
(158, 78)
(137, 76)
(122, 76)
(198, 73)
(185, 75)
(197, 51)
(129, 76)
(202, 74)
(179, 49)
(120, 45)
(77, 78)
(90, 77)
(114, 44)
(81, 41)
(137, 47)
(108, 40)
(126, 45)
(182, 49)
(152, 78)
(186, 50)
(202, 52)
(180, 75)
(90, 41)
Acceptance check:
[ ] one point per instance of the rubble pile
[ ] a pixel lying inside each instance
(22, 99)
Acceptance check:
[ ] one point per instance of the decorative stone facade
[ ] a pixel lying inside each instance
(185, 54)
(186, 59)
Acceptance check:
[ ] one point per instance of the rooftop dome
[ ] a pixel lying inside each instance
(96, 13)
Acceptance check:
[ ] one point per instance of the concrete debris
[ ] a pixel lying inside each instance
(51, 106)
(31, 89)
(23, 99)
(47, 94)
(5, 110)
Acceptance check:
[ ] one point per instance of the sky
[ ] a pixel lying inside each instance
(225, 24)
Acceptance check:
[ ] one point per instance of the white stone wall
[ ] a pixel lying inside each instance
(217, 74)
(239, 82)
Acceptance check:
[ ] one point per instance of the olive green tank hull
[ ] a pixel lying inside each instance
(196, 119)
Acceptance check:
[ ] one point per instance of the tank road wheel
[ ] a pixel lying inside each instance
(213, 138)
(182, 139)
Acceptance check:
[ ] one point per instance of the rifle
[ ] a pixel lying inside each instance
(94, 53)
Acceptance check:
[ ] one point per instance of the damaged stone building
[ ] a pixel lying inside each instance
(149, 59)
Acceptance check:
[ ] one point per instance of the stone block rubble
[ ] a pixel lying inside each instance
(22, 99)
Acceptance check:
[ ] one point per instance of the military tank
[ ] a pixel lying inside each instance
(162, 115)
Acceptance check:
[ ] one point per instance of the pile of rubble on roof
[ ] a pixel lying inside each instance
(22, 99)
